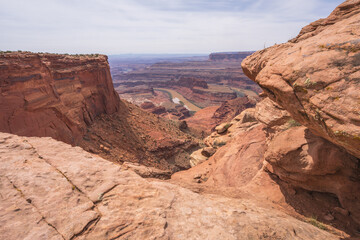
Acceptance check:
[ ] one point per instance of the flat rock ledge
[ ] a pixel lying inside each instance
(50, 190)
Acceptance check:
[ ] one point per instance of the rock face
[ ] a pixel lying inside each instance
(45, 194)
(311, 162)
(207, 119)
(231, 108)
(315, 76)
(313, 80)
(72, 99)
(54, 95)
(264, 152)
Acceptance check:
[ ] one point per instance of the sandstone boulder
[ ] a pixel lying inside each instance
(208, 151)
(197, 157)
(313, 163)
(248, 115)
(222, 128)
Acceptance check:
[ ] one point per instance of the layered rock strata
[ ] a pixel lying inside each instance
(71, 98)
(54, 95)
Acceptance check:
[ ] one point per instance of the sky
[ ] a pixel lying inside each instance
(154, 26)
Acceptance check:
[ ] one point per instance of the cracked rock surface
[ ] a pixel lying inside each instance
(50, 190)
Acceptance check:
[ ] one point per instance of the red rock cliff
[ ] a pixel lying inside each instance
(315, 76)
(54, 95)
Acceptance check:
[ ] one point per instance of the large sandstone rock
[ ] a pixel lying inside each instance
(50, 190)
(315, 77)
(54, 95)
(313, 163)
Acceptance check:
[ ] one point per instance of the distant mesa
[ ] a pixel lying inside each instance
(221, 56)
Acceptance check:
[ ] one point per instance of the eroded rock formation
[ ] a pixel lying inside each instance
(305, 136)
(315, 76)
(45, 194)
(71, 98)
(54, 95)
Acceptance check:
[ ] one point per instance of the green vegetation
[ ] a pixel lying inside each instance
(292, 123)
(309, 83)
(313, 221)
(164, 91)
(173, 94)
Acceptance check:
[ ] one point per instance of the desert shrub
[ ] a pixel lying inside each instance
(313, 221)
(292, 123)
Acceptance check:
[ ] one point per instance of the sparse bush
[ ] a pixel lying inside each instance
(292, 123)
(313, 221)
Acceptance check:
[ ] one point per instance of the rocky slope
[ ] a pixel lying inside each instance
(264, 154)
(71, 98)
(298, 148)
(45, 194)
(205, 120)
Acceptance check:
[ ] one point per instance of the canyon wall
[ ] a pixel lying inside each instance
(71, 98)
(299, 146)
(54, 95)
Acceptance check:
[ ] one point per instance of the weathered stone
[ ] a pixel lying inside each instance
(54, 95)
(208, 151)
(222, 128)
(315, 77)
(85, 197)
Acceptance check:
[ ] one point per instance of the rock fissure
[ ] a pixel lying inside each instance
(29, 202)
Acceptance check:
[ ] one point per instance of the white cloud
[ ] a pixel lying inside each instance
(153, 26)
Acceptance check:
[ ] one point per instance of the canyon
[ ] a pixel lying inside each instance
(79, 162)
(72, 99)
(199, 82)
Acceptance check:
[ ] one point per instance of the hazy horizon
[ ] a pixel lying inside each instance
(154, 26)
